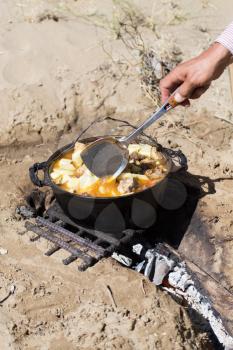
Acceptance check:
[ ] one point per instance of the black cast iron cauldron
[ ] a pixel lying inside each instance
(112, 214)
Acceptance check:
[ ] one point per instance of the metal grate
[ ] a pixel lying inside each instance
(86, 245)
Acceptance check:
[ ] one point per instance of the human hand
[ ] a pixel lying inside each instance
(193, 77)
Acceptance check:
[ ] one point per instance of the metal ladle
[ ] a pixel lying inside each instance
(109, 156)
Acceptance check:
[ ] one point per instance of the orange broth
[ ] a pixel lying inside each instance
(104, 187)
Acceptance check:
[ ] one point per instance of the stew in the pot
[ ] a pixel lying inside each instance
(146, 167)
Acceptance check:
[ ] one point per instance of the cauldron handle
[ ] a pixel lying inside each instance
(123, 123)
(33, 173)
(177, 156)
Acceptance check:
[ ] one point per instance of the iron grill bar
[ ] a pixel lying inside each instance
(82, 241)
(69, 260)
(58, 241)
(52, 250)
(104, 236)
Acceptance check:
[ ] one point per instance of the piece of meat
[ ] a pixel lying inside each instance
(146, 164)
(154, 173)
(127, 185)
(134, 169)
(136, 156)
(148, 161)
(80, 171)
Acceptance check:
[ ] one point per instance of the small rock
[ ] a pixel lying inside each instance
(102, 327)
(226, 170)
(12, 289)
(27, 158)
(132, 325)
(174, 145)
(145, 319)
(3, 251)
(203, 29)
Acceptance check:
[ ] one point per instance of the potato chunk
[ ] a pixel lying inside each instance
(76, 158)
(86, 180)
(127, 185)
(61, 176)
(65, 164)
(72, 183)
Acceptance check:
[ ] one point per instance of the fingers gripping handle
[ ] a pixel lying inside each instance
(172, 101)
(169, 104)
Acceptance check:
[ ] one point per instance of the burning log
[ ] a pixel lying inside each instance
(166, 268)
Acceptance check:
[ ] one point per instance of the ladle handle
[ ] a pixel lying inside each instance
(169, 104)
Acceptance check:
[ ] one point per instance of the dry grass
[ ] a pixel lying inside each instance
(128, 24)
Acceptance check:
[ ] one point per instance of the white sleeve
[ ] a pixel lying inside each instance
(226, 38)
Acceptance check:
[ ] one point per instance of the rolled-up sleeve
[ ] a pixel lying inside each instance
(226, 38)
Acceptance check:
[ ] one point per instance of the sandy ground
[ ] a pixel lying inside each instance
(62, 64)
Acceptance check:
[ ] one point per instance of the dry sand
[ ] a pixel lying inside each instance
(62, 64)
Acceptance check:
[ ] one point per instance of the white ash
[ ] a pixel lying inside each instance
(185, 286)
(122, 259)
(137, 248)
(156, 266)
